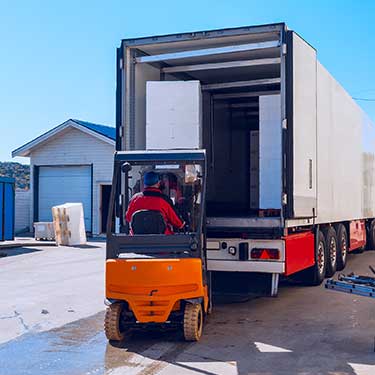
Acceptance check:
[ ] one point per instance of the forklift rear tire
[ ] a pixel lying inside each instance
(112, 323)
(193, 321)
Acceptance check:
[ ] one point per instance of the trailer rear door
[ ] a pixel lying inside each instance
(302, 122)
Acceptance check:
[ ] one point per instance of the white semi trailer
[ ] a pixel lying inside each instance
(290, 155)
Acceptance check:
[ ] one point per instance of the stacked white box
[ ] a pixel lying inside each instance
(69, 223)
(44, 231)
(173, 115)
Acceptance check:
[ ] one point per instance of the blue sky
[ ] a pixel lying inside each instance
(57, 59)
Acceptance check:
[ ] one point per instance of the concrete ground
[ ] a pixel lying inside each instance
(24, 241)
(305, 330)
(46, 287)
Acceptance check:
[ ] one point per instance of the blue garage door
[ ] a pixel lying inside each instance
(65, 184)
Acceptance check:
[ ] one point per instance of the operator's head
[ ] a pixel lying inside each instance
(151, 179)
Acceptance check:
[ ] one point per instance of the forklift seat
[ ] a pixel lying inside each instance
(148, 222)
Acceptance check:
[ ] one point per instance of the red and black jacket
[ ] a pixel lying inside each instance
(154, 199)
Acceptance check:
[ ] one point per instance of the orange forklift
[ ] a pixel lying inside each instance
(155, 279)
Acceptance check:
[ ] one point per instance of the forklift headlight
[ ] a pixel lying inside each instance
(232, 250)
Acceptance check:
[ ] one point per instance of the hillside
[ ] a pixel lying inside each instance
(20, 172)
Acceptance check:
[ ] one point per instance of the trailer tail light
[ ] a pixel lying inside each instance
(265, 254)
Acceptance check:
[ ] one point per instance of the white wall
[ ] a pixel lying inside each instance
(270, 152)
(72, 147)
(143, 73)
(22, 210)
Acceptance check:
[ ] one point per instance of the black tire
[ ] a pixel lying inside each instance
(193, 321)
(113, 328)
(331, 243)
(315, 274)
(371, 236)
(342, 246)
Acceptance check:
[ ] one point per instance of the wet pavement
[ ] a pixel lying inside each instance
(306, 330)
(75, 348)
(46, 287)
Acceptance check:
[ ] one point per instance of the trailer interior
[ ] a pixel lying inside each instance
(234, 71)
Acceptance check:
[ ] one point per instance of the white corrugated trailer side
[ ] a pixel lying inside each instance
(346, 154)
(333, 134)
(314, 198)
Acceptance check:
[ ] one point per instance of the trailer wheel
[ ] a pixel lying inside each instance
(193, 321)
(331, 243)
(315, 274)
(113, 327)
(342, 246)
(371, 236)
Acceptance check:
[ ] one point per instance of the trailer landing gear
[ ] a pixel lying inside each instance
(274, 284)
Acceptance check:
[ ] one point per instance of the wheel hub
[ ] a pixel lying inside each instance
(332, 251)
(321, 257)
(343, 247)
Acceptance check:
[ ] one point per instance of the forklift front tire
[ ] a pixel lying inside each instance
(193, 321)
(112, 323)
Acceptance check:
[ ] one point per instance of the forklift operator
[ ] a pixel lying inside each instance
(153, 199)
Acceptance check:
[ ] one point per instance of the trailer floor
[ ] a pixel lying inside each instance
(303, 331)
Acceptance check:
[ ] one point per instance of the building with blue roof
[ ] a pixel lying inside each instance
(71, 163)
(108, 131)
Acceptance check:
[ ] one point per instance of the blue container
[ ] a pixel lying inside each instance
(7, 194)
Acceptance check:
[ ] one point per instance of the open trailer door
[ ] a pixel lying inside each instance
(302, 127)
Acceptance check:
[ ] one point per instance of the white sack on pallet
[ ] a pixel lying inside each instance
(69, 223)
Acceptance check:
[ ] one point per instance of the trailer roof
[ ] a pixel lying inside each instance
(244, 30)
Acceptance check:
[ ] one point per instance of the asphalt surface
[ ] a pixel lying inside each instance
(305, 330)
(46, 287)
